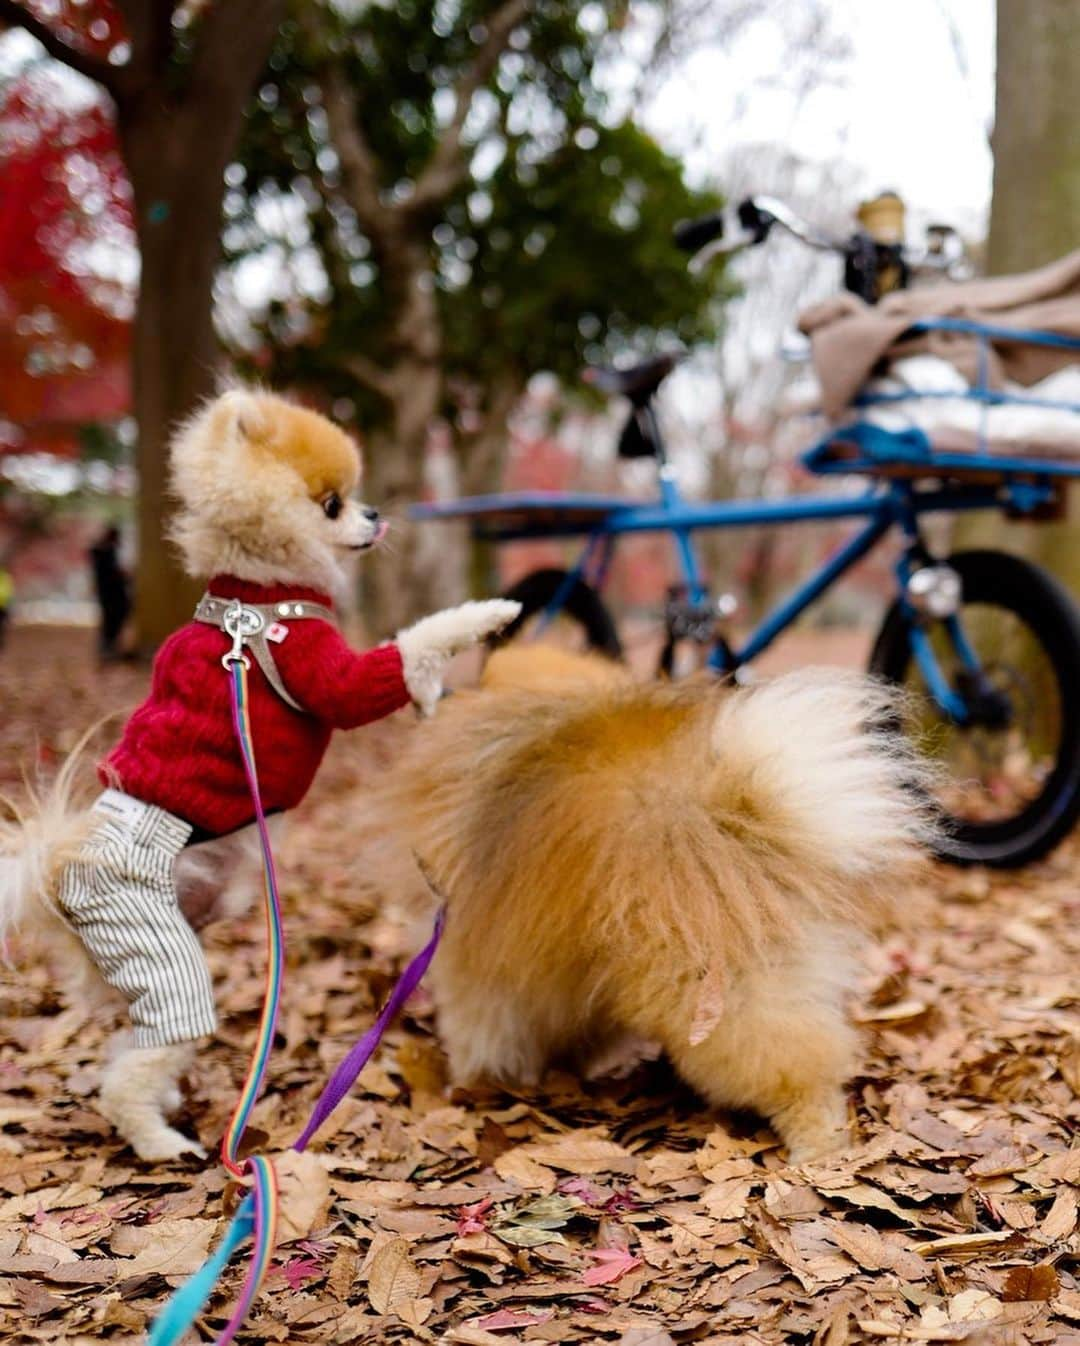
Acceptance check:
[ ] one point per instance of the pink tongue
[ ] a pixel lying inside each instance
(382, 530)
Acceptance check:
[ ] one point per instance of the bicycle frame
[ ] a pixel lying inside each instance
(930, 481)
(898, 504)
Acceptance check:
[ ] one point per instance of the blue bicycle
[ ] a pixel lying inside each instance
(987, 643)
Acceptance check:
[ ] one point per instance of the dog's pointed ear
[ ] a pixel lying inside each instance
(248, 415)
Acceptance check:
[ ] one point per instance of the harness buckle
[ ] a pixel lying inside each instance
(241, 623)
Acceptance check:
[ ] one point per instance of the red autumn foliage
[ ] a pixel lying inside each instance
(65, 237)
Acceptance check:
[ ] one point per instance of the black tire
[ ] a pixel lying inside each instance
(583, 606)
(1042, 684)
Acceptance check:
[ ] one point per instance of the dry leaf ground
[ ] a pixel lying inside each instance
(615, 1211)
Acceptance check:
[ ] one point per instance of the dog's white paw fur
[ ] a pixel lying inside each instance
(139, 1089)
(429, 644)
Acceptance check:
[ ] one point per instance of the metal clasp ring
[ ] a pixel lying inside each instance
(241, 623)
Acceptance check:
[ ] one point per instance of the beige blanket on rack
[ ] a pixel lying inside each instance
(848, 337)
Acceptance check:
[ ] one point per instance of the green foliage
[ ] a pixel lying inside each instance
(553, 250)
(100, 442)
(577, 260)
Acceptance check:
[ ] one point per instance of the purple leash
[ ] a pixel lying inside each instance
(344, 1077)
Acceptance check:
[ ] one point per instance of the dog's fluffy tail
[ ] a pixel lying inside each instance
(35, 843)
(817, 754)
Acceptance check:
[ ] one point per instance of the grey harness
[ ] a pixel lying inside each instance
(250, 627)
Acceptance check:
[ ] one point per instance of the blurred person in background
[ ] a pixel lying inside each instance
(113, 589)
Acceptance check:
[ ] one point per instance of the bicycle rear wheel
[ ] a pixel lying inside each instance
(580, 623)
(1010, 781)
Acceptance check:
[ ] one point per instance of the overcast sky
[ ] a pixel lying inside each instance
(911, 106)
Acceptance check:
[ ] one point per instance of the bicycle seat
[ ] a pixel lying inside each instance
(637, 382)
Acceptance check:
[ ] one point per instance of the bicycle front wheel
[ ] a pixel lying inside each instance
(1010, 781)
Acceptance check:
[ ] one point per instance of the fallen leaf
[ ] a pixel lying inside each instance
(1023, 933)
(727, 1200)
(1031, 1283)
(873, 1251)
(645, 1336)
(503, 1320)
(863, 1195)
(170, 1247)
(304, 1188)
(1067, 1305)
(1061, 1218)
(963, 1243)
(393, 1278)
(973, 1306)
(468, 1334)
(473, 1219)
(35, 1301)
(491, 1142)
(537, 1223)
(791, 1201)
(580, 1152)
(525, 1171)
(298, 1271)
(611, 1265)
(481, 1250)
(583, 1190)
(43, 1246)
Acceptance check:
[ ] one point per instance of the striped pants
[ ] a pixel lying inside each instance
(120, 896)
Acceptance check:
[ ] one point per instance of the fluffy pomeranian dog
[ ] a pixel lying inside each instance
(267, 515)
(680, 863)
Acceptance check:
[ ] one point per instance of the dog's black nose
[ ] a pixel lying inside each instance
(370, 514)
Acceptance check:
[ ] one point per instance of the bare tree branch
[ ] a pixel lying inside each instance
(15, 15)
(446, 168)
(358, 170)
(370, 374)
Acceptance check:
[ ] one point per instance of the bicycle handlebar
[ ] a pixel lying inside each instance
(693, 235)
(758, 215)
(755, 217)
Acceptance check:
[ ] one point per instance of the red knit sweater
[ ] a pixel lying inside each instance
(179, 749)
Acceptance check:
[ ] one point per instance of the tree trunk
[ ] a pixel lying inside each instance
(177, 179)
(1036, 201)
(483, 456)
(178, 129)
(428, 566)
(416, 571)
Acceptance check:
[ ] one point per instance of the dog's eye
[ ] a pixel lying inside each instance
(332, 505)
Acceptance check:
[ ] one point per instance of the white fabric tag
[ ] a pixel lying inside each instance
(119, 805)
(277, 632)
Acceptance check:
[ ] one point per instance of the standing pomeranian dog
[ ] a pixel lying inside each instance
(684, 864)
(267, 514)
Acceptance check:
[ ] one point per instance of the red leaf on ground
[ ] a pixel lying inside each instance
(612, 1264)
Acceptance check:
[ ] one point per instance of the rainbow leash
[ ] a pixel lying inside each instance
(275, 940)
(257, 1214)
